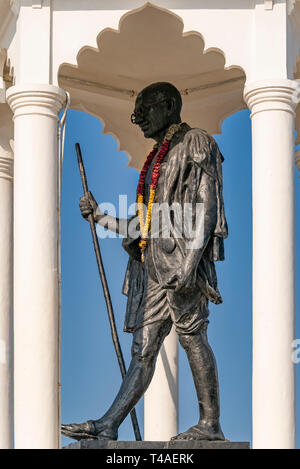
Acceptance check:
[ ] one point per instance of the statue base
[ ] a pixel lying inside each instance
(169, 445)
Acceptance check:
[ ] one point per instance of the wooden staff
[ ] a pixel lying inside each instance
(107, 297)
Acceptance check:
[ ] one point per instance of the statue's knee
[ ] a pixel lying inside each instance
(184, 340)
(146, 356)
(134, 349)
(143, 354)
(190, 341)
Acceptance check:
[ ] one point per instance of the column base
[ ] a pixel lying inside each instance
(170, 445)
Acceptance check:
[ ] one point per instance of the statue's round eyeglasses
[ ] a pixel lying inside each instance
(140, 112)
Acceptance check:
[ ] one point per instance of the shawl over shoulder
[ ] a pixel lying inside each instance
(192, 172)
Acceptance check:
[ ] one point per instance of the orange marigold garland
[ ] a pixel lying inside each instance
(163, 150)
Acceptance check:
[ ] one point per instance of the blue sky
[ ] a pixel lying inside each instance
(90, 373)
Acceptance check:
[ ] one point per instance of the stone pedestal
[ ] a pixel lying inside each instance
(161, 445)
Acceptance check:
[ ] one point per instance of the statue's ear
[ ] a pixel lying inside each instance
(171, 105)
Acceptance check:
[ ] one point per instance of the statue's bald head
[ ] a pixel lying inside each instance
(156, 108)
(163, 90)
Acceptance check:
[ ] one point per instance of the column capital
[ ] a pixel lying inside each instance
(36, 99)
(272, 95)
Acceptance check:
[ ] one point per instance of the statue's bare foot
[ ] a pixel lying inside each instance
(202, 431)
(90, 430)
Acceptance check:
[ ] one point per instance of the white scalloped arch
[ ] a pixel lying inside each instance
(151, 44)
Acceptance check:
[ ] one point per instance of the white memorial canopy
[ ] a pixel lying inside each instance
(150, 46)
(224, 55)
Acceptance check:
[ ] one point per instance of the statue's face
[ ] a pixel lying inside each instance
(151, 112)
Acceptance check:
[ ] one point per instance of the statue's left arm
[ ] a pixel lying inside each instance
(205, 215)
(202, 211)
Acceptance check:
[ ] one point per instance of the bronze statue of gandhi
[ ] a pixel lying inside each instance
(169, 279)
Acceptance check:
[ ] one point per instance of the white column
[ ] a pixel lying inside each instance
(6, 298)
(161, 398)
(36, 318)
(272, 104)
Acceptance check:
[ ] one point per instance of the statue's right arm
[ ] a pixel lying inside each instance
(88, 206)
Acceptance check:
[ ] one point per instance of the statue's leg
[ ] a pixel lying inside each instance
(146, 344)
(204, 370)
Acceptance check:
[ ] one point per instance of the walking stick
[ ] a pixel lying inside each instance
(107, 297)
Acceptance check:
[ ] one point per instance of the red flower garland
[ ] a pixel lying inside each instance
(144, 225)
(155, 173)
